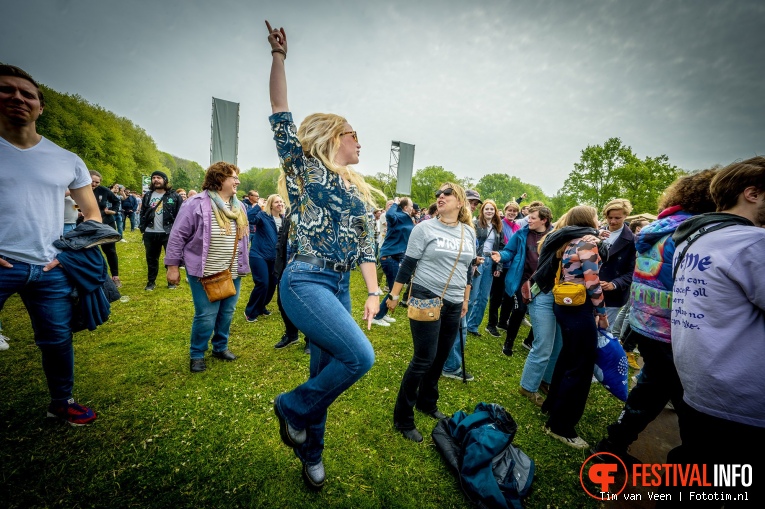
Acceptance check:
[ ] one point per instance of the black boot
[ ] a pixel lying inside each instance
(508, 348)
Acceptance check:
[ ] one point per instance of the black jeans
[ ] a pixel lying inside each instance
(499, 302)
(709, 440)
(110, 251)
(657, 384)
(516, 317)
(154, 242)
(432, 343)
(572, 377)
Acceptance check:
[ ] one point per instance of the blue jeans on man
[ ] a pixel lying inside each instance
(210, 319)
(120, 220)
(318, 301)
(47, 297)
(454, 361)
(390, 265)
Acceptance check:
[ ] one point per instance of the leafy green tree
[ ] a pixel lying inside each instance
(426, 181)
(502, 188)
(112, 145)
(594, 179)
(263, 180)
(643, 181)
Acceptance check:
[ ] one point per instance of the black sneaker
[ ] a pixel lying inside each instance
(266, 312)
(493, 331)
(285, 341)
(171, 286)
(150, 287)
(526, 345)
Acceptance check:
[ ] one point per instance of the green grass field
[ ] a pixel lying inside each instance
(167, 438)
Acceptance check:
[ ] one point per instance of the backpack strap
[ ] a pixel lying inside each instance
(695, 236)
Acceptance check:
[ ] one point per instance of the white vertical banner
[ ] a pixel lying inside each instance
(224, 144)
(405, 169)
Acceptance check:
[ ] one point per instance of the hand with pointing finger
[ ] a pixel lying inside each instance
(277, 38)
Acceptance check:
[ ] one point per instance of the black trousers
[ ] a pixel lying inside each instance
(572, 377)
(110, 252)
(499, 302)
(154, 242)
(432, 343)
(516, 317)
(657, 384)
(709, 441)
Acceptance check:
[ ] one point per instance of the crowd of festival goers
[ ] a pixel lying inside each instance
(683, 291)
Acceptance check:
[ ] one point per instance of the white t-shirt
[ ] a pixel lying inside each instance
(32, 186)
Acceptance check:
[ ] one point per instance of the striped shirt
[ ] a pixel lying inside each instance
(221, 248)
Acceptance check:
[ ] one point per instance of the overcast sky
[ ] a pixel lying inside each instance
(499, 86)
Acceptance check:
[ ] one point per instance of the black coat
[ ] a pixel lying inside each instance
(171, 203)
(618, 267)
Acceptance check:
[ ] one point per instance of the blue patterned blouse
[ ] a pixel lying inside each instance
(328, 220)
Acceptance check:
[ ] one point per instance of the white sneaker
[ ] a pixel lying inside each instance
(526, 322)
(4, 342)
(389, 319)
(380, 322)
(576, 442)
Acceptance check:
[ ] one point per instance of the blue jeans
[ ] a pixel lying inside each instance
(120, 220)
(210, 319)
(133, 221)
(390, 265)
(479, 297)
(318, 301)
(263, 291)
(46, 295)
(453, 362)
(540, 363)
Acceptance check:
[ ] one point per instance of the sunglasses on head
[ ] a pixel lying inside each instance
(446, 192)
(352, 133)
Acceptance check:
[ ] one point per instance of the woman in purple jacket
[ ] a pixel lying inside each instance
(210, 235)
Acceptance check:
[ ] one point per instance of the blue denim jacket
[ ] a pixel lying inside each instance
(328, 220)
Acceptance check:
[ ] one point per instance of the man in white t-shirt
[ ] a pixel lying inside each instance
(34, 175)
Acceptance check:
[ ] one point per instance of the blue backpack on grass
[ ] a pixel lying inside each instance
(492, 471)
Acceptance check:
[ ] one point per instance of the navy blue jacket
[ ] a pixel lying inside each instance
(618, 267)
(400, 226)
(266, 234)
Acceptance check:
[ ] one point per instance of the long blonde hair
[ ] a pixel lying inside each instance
(319, 135)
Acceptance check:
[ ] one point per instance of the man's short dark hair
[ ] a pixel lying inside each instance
(732, 180)
(545, 214)
(18, 72)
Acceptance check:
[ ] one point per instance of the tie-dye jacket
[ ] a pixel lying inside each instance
(651, 291)
(581, 264)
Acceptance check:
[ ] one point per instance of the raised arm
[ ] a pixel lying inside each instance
(277, 84)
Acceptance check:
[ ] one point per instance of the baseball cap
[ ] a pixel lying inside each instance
(472, 194)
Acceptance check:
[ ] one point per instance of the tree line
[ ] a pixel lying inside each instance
(122, 152)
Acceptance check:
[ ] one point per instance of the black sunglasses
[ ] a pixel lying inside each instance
(446, 192)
